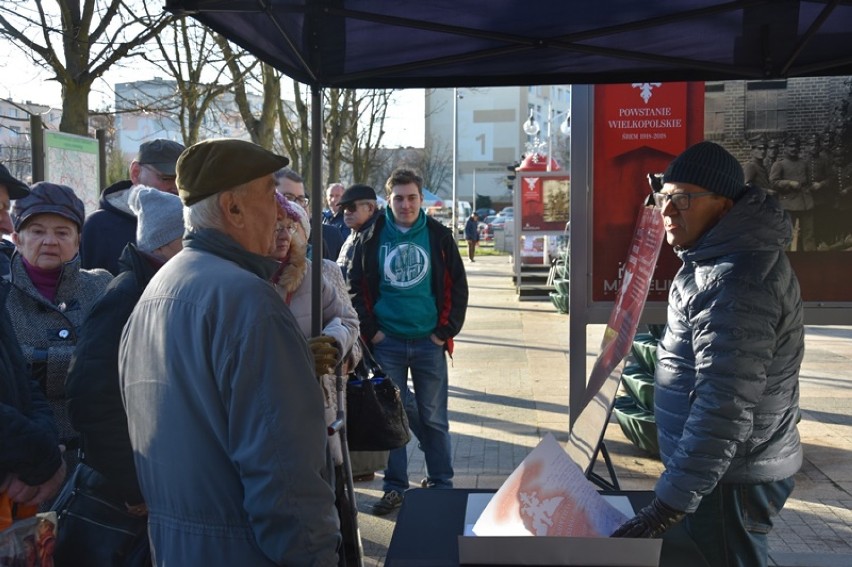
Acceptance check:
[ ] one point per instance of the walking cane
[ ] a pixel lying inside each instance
(339, 426)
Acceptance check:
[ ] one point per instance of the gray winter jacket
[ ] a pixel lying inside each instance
(225, 415)
(48, 330)
(727, 378)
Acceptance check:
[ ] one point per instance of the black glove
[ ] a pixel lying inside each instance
(651, 521)
(326, 354)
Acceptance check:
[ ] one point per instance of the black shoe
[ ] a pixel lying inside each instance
(426, 483)
(389, 502)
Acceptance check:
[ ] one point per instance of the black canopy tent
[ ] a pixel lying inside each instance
(453, 43)
(468, 43)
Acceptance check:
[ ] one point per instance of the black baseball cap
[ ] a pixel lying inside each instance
(160, 154)
(357, 192)
(17, 189)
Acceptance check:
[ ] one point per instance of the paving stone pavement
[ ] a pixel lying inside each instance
(509, 387)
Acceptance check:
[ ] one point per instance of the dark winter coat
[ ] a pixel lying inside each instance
(29, 446)
(471, 229)
(94, 396)
(344, 260)
(727, 381)
(449, 282)
(108, 230)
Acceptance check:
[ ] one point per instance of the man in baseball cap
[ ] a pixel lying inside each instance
(108, 230)
(10, 188)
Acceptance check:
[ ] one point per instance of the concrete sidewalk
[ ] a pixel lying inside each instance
(509, 386)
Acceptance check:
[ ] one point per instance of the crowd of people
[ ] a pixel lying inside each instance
(163, 344)
(813, 182)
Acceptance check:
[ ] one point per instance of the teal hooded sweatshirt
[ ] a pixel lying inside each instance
(406, 306)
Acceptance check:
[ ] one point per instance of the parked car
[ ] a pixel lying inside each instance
(507, 212)
(482, 213)
(496, 223)
(483, 227)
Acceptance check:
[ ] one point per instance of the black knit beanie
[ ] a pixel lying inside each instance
(710, 166)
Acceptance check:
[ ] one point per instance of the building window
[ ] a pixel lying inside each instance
(766, 105)
(714, 108)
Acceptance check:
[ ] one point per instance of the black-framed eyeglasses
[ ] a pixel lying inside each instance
(679, 200)
(301, 199)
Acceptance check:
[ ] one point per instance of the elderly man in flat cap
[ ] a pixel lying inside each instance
(230, 451)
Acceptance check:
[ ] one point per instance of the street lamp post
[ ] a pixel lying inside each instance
(455, 224)
(531, 128)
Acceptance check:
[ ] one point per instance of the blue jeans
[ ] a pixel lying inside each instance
(426, 407)
(732, 523)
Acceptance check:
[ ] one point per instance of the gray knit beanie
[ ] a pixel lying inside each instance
(710, 166)
(159, 217)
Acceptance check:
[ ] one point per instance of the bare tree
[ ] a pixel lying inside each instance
(79, 43)
(191, 55)
(261, 127)
(353, 128)
(436, 167)
(368, 110)
(294, 124)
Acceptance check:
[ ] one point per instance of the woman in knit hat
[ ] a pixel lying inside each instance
(340, 329)
(51, 295)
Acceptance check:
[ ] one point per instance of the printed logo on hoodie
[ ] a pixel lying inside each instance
(405, 264)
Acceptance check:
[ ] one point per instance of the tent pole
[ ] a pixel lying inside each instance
(316, 196)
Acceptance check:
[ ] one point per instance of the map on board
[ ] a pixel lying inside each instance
(73, 161)
(547, 495)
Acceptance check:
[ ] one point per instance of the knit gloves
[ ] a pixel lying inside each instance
(326, 354)
(651, 521)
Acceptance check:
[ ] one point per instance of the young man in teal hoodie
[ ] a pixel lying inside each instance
(409, 287)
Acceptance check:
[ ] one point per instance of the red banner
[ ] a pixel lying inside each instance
(639, 129)
(624, 318)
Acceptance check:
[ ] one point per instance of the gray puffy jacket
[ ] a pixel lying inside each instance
(727, 379)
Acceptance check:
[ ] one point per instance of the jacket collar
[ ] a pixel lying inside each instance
(222, 245)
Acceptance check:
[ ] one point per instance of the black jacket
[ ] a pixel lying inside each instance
(29, 443)
(449, 281)
(92, 387)
(107, 231)
(6, 251)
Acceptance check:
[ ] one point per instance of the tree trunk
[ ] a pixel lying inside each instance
(75, 108)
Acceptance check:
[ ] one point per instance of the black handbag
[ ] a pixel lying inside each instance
(95, 531)
(375, 417)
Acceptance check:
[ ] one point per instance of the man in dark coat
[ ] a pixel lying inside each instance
(726, 395)
(11, 189)
(94, 397)
(107, 230)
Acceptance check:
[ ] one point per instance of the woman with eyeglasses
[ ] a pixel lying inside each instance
(51, 294)
(340, 328)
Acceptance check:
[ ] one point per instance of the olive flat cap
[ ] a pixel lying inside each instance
(220, 164)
